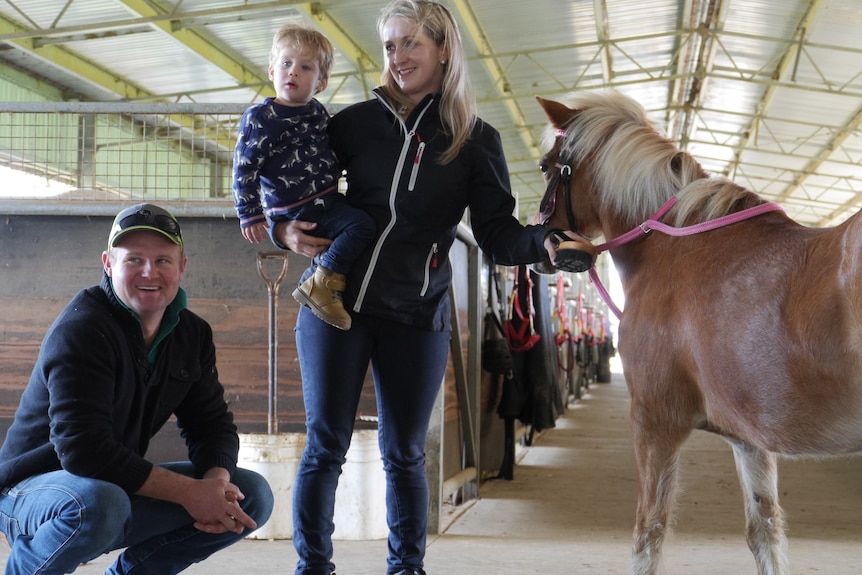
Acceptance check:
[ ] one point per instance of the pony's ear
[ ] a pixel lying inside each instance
(676, 163)
(557, 113)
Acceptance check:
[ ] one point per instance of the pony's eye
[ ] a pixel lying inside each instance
(544, 167)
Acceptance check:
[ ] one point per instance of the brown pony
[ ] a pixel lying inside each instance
(751, 330)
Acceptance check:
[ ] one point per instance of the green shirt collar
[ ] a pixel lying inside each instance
(169, 320)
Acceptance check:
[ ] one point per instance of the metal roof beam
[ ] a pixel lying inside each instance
(836, 142)
(72, 63)
(707, 18)
(600, 10)
(31, 82)
(176, 19)
(785, 64)
(207, 48)
(498, 73)
(364, 63)
(674, 117)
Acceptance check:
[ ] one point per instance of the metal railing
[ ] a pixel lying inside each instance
(106, 153)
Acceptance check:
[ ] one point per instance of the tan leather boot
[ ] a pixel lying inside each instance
(322, 294)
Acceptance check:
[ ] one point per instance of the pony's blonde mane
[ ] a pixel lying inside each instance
(636, 167)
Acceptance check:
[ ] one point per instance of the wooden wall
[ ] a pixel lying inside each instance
(45, 260)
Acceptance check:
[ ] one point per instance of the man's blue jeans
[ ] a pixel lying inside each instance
(408, 365)
(56, 521)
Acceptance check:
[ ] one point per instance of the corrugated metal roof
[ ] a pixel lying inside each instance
(765, 91)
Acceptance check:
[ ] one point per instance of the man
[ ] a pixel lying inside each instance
(115, 365)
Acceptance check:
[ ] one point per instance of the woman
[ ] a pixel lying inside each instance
(416, 156)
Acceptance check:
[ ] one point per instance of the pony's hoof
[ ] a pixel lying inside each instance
(575, 257)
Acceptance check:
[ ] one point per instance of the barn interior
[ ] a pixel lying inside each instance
(104, 103)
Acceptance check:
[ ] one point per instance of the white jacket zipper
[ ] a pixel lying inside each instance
(393, 192)
(430, 263)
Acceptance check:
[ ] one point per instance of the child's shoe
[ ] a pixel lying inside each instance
(322, 294)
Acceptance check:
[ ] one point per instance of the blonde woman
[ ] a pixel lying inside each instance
(417, 157)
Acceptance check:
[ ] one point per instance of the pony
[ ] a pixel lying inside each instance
(738, 320)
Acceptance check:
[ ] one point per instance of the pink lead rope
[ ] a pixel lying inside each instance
(653, 223)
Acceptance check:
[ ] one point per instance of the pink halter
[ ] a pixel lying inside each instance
(653, 223)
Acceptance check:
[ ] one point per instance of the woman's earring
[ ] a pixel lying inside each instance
(443, 62)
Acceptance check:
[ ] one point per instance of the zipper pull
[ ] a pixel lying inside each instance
(411, 184)
(434, 257)
(419, 150)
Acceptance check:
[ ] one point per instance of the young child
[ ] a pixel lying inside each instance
(284, 169)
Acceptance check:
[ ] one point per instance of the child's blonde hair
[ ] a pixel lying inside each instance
(304, 38)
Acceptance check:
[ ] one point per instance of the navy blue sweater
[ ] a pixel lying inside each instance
(282, 157)
(95, 398)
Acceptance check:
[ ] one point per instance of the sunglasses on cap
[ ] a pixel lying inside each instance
(146, 217)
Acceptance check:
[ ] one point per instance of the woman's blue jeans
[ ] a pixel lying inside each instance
(408, 365)
(56, 521)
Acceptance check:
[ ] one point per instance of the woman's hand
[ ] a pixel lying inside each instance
(293, 235)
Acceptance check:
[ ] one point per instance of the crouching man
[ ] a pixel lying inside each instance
(118, 362)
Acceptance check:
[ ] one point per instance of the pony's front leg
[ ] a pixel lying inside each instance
(764, 521)
(658, 459)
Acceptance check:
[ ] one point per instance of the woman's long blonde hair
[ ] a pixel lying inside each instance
(458, 104)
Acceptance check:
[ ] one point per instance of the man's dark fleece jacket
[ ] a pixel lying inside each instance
(97, 395)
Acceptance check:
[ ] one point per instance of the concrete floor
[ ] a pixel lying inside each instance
(570, 510)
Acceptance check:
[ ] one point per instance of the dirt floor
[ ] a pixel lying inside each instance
(570, 510)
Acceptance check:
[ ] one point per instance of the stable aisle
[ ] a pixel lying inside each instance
(570, 510)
